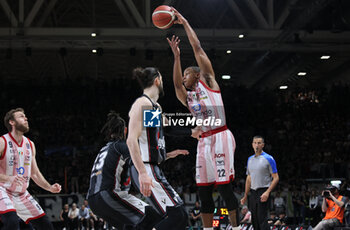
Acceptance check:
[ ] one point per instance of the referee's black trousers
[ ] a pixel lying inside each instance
(258, 209)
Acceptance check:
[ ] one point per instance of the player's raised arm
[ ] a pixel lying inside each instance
(180, 90)
(135, 130)
(201, 57)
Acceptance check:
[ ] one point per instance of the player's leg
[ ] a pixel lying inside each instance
(150, 219)
(9, 220)
(207, 205)
(205, 179)
(42, 223)
(8, 214)
(176, 219)
(29, 210)
(120, 209)
(164, 198)
(231, 202)
(224, 148)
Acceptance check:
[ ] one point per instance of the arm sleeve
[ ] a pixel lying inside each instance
(177, 131)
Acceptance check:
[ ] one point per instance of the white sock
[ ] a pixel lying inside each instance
(208, 229)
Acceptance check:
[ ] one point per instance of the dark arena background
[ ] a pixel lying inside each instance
(283, 68)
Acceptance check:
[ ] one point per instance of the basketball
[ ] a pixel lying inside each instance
(163, 17)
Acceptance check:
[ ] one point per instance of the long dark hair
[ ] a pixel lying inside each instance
(145, 76)
(114, 127)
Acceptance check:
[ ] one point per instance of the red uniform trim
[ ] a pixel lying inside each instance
(34, 218)
(31, 146)
(4, 153)
(214, 131)
(205, 184)
(217, 183)
(207, 87)
(19, 145)
(126, 183)
(6, 211)
(161, 209)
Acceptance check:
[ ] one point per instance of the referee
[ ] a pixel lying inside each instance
(262, 178)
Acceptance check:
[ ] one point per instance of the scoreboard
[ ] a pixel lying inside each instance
(220, 219)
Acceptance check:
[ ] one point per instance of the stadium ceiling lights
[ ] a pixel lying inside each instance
(226, 77)
(228, 51)
(241, 36)
(325, 57)
(283, 87)
(301, 73)
(93, 34)
(94, 51)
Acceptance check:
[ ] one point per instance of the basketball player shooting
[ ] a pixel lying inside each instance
(198, 90)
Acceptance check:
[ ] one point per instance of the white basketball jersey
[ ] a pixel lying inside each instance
(205, 103)
(16, 160)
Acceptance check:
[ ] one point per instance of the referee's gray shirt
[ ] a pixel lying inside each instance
(260, 169)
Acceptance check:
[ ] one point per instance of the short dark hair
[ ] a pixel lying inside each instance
(114, 127)
(258, 136)
(10, 116)
(145, 76)
(195, 69)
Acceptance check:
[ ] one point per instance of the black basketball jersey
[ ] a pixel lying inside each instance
(110, 169)
(152, 142)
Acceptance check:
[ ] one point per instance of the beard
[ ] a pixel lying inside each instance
(22, 128)
(161, 91)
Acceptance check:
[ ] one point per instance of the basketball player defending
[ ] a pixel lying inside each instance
(108, 194)
(17, 166)
(147, 150)
(215, 150)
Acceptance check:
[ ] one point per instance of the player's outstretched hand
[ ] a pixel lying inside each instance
(146, 184)
(196, 133)
(55, 188)
(174, 44)
(177, 152)
(180, 18)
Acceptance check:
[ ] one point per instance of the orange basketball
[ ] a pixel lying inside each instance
(163, 17)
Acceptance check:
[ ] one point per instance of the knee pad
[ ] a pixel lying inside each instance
(229, 197)
(206, 197)
(42, 223)
(10, 221)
